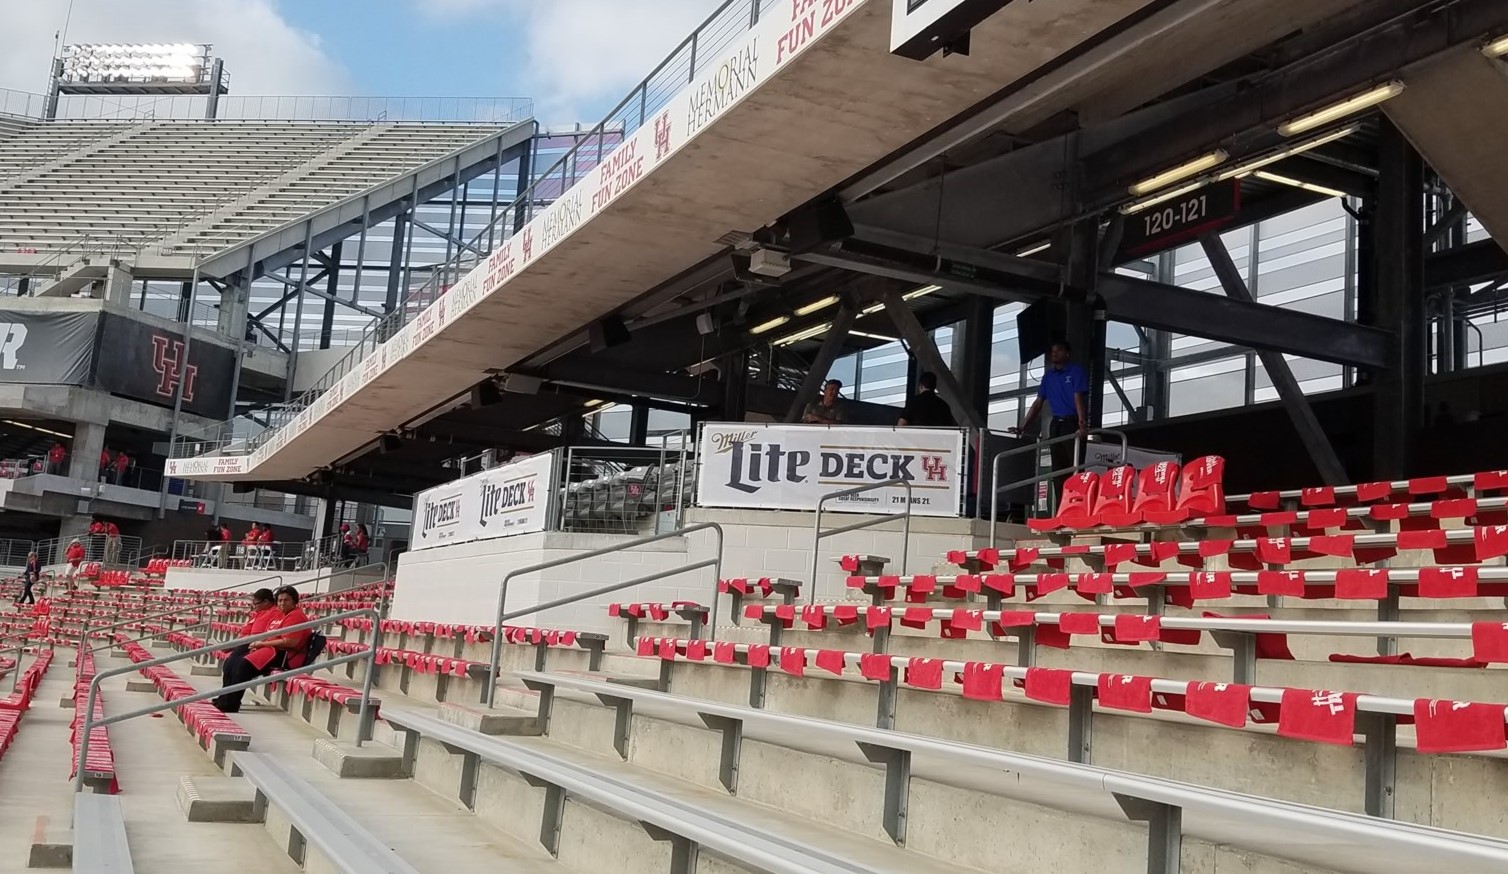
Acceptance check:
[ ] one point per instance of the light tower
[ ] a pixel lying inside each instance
(147, 69)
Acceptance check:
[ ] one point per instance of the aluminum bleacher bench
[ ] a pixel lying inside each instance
(1171, 809)
(725, 836)
(99, 836)
(318, 828)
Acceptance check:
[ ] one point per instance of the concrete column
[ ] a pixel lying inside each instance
(83, 458)
(118, 283)
(973, 340)
(233, 302)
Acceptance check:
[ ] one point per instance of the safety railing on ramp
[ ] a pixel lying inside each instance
(818, 535)
(1078, 453)
(716, 563)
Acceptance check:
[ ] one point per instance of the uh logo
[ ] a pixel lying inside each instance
(752, 465)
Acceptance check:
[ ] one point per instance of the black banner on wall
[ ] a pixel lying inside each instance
(46, 348)
(142, 361)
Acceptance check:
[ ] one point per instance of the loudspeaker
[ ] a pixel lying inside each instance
(607, 333)
(705, 324)
(1039, 326)
(485, 394)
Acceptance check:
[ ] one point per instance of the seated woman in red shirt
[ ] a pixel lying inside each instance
(270, 654)
(264, 612)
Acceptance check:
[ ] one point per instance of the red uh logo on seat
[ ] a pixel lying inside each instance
(935, 469)
(167, 360)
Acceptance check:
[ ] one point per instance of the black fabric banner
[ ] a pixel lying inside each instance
(145, 362)
(47, 348)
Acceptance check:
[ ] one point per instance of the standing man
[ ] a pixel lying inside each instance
(926, 409)
(828, 409)
(112, 543)
(29, 576)
(122, 464)
(104, 464)
(1065, 389)
(55, 457)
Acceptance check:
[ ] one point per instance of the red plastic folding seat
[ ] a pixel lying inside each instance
(1113, 505)
(1154, 495)
(1074, 509)
(1202, 489)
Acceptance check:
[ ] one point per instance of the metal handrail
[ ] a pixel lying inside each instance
(363, 724)
(1078, 452)
(15, 672)
(716, 563)
(819, 534)
(192, 608)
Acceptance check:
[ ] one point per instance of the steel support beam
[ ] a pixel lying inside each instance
(1127, 299)
(1398, 298)
(1325, 459)
(827, 353)
(926, 354)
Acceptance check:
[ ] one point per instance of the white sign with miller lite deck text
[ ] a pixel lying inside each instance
(790, 467)
(501, 502)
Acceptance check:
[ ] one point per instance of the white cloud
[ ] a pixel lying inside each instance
(263, 52)
(583, 55)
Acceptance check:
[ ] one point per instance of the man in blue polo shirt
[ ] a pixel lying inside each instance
(1065, 388)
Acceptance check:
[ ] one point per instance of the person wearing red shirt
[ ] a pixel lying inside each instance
(266, 535)
(122, 463)
(282, 652)
(55, 457)
(264, 612)
(96, 527)
(104, 464)
(75, 557)
(112, 543)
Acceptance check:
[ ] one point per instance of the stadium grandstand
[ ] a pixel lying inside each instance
(947, 436)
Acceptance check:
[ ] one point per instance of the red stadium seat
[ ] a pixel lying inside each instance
(1074, 510)
(1113, 504)
(1201, 492)
(1154, 493)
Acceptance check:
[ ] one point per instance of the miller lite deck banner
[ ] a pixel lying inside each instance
(790, 467)
(138, 359)
(46, 348)
(501, 502)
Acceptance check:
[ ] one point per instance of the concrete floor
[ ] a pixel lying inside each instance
(153, 753)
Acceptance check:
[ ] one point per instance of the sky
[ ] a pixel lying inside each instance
(576, 58)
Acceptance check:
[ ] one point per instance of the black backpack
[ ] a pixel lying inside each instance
(314, 648)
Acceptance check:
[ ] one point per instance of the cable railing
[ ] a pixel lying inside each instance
(702, 49)
(363, 720)
(716, 563)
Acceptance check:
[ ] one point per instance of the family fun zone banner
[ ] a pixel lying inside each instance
(501, 502)
(790, 467)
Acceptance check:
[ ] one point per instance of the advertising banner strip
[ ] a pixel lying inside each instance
(782, 34)
(790, 467)
(47, 348)
(501, 502)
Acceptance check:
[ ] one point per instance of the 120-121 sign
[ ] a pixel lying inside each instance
(1182, 217)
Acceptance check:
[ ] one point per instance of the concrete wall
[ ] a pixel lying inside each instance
(459, 584)
(209, 579)
(762, 543)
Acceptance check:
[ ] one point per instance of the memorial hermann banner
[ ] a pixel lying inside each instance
(790, 467)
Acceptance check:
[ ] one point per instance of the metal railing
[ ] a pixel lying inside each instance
(716, 563)
(818, 534)
(19, 648)
(86, 630)
(606, 490)
(696, 53)
(1078, 453)
(363, 720)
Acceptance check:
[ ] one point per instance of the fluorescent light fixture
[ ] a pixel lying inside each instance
(816, 305)
(35, 428)
(1137, 206)
(1033, 250)
(595, 402)
(1298, 183)
(921, 292)
(1497, 48)
(771, 325)
(805, 334)
(874, 336)
(871, 309)
(1297, 149)
(1208, 161)
(1338, 111)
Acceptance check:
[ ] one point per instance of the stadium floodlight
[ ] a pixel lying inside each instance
(1207, 161)
(1337, 111)
(104, 64)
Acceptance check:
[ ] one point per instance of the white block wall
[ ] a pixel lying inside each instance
(459, 584)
